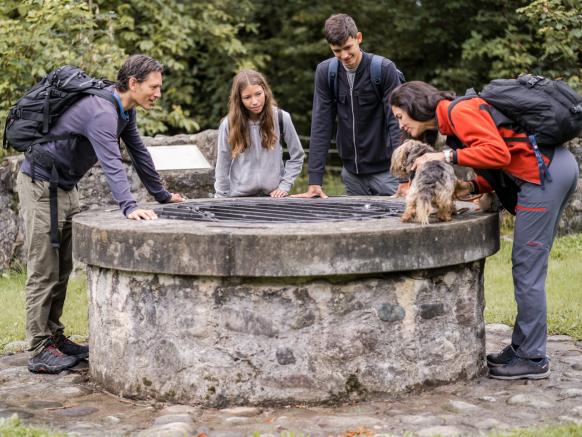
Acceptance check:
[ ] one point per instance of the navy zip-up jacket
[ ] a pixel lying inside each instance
(367, 132)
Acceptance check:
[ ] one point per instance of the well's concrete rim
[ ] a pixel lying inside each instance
(106, 239)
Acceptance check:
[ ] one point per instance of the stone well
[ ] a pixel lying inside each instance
(229, 314)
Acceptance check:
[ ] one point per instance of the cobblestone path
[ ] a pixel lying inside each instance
(69, 402)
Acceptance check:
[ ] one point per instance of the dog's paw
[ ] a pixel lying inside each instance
(406, 217)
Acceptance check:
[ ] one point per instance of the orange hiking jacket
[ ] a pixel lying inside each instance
(485, 147)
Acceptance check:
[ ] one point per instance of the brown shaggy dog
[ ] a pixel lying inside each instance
(433, 185)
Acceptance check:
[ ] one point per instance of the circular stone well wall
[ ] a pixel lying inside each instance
(225, 314)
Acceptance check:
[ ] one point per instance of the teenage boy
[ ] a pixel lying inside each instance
(96, 124)
(367, 132)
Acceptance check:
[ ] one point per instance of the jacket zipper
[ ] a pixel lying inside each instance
(354, 126)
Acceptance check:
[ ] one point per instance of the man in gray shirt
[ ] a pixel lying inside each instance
(93, 126)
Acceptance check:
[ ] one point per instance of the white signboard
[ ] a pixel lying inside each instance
(182, 157)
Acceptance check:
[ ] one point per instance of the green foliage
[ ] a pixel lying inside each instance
(454, 45)
(558, 27)
(12, 427)
(198, 43)
(39, 36)
(541, 37)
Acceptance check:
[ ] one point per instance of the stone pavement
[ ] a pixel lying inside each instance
(70, 402)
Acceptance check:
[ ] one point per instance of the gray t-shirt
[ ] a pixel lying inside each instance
(351, 73)
(96, 123)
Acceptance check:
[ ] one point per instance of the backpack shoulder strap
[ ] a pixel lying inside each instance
(103, 93)
(469, 94)
(281, 128)
(332, 77)
(376, 75)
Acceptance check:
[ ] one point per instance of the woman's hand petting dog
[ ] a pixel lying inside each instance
(421, 160)
(463, 189)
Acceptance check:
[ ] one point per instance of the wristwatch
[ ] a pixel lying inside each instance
(448, 155)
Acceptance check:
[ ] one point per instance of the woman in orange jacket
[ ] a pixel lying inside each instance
(504, 161)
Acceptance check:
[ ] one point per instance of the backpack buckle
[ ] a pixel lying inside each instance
(16, 113)
(534, 79)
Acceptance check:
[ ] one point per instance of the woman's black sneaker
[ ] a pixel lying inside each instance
(71, 348)
(520, 368)
(51, 360)
(502, 358)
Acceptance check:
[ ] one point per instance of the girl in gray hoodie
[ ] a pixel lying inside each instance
(250, 157)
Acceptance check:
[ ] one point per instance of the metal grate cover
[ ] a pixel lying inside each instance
(267, 210)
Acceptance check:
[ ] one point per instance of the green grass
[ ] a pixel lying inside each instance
(12, 427)
(567, 430)
(562, 286)
(12, 299)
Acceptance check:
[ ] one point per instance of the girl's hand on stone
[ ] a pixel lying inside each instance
(278, 193)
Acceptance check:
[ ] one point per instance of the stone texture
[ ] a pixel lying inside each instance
(39, 405)
(462, 406)
(539, 401)
(443, 431)
(177, 429)
(195, 248)
(11, 233)
(16, 346)
(236, 341)
(77, 411)
(391, 313)
(173, 418)
(426, 409)
(181, 409)
(571, 393)
(242, 411)
(571, 220)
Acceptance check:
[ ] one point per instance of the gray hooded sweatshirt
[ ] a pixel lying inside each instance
(257, 170)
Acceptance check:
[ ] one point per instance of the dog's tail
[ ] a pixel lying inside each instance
(423, 207)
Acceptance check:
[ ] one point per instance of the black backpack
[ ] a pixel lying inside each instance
(549, 111)
(29, 121)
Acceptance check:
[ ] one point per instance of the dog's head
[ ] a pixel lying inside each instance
(404, 156)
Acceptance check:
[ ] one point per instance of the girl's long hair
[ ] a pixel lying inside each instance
(238, 115)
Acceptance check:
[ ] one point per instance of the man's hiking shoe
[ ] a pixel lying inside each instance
(501, 358)
(71, 348)
(51, 360)
(522, 368)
